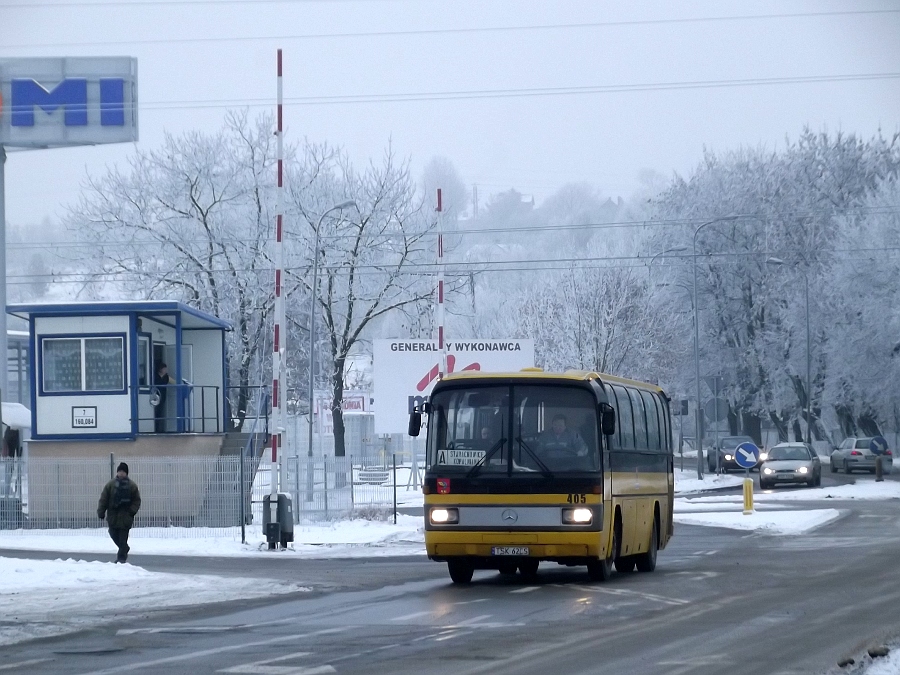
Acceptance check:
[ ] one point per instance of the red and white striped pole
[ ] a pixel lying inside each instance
(279, 338)
(440, 287)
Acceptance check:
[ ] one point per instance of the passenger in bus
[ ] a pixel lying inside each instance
(559, 438)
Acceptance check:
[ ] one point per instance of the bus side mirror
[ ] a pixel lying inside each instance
(415, 423)
(607, 419)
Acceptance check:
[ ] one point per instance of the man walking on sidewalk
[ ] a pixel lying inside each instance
(119, 504)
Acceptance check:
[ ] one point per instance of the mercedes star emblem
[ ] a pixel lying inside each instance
(509, 516)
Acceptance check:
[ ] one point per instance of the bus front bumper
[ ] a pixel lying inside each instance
(442, 545)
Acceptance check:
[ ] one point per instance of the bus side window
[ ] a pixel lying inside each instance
(652, 421)
(666, 425)
(640, 419)
(626, 424)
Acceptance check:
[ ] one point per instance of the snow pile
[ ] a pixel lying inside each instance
(687, 482)
(770, 522)
(40, 598)
(347, 539)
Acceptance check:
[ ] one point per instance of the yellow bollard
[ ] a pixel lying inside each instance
(748, 496)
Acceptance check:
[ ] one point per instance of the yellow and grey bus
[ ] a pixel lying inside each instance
(574, 468)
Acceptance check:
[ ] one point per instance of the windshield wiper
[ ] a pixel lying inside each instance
(481, 462)
(547, 473)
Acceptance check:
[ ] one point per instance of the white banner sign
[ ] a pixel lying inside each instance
(405, 371)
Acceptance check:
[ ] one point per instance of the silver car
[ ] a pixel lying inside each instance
(790, 463)
(855, 454)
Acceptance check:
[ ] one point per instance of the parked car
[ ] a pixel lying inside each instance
(725, 447)
(855, 454)
(790, 463)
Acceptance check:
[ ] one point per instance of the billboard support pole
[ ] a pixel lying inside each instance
(440, 289)
(4, 367)
(280, 328)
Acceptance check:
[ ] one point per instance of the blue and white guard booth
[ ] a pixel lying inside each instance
(92, 366)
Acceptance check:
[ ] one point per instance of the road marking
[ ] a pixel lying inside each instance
(177, 629)
(474, 620)
(453, 635)
(140, 665)
(414, 615)
(470, 602)
(263, 667)
(22, 664)
(527, 589)
(691, 665)
(705, 552)
(645, 596)
(694, 576)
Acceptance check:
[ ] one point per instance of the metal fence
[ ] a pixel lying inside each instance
(203, 496)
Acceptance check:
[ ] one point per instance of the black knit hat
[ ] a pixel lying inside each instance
(122, 467)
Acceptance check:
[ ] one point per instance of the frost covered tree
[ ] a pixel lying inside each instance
(191, 220)
(371, 257)
(761, 204)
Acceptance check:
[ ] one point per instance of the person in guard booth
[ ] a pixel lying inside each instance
(119, 503)
(161, 380)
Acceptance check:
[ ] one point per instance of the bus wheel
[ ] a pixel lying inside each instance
(529, 568)
(461, 571)
(646, 562)
(601, 570)
(625, 564)
(507, 569)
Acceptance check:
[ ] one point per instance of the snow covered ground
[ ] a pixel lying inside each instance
(65, 595)
(42, 598)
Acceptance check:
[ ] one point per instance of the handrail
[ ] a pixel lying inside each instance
(262, 399)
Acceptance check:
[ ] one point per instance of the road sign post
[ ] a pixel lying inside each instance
(878, 446)
(747, 456)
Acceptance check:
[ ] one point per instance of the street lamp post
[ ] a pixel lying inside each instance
(312, 334)
(697, 342)
(779, 261)
(676, 249)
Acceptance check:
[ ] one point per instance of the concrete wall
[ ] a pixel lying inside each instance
(173, 472)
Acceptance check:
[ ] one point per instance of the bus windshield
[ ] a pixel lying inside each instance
(491, 430)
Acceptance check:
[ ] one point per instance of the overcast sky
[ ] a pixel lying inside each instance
(196, 59)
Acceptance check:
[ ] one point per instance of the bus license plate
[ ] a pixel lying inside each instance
(509, 550)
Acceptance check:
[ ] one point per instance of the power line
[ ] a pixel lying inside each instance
(525, 92)
(400, 33)
(885, 209)
(465, 268)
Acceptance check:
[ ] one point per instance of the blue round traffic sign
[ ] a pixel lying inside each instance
(878, 445)
(746, 455)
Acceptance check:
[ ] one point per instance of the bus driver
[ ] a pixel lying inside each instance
(559, 438)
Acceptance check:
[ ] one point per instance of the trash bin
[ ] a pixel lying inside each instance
(281, 530)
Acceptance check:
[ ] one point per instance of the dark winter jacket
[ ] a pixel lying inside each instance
(121, 517)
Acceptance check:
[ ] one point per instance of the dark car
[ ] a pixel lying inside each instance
(725, 448)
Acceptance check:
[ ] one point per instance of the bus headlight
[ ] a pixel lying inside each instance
(579, 516)
(443, 516)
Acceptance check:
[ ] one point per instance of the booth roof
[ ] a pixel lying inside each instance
(190, 317)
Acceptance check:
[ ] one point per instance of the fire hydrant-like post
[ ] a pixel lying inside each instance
(748, 495)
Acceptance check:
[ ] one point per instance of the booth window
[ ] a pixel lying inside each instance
(83, 364)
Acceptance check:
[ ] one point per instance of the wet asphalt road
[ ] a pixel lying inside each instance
(719, 602)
